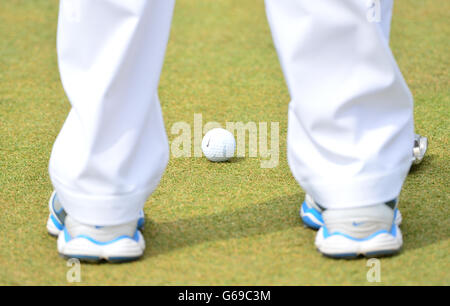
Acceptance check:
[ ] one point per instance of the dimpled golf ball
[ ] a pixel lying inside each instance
(218, 145)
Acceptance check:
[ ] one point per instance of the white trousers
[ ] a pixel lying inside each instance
(350, 133)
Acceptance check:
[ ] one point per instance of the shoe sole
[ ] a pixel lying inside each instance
(85, 249)
(379, 244)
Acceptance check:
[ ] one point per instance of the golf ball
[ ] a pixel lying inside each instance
(218, 145)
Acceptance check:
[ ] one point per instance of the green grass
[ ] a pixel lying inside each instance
(216, 224)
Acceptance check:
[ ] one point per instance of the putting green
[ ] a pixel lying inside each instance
(216, 224)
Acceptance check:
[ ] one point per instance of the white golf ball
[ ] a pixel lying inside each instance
(218, 145)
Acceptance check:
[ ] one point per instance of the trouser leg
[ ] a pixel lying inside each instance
(350, 131)
(112, 149)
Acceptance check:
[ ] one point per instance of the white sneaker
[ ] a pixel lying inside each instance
(94, 243)
(369, 231)
(311, 213)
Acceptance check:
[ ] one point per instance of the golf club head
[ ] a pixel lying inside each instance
(420, 148)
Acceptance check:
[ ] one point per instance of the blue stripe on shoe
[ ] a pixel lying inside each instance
(308, 221)
(392, 232)
(58, 215)
(69, 238)
(57, 224)
(141, 222)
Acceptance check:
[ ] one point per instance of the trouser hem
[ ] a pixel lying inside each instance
(102, 210)
(357, 192)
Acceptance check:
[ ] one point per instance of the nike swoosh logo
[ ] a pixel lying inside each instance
(357, 223)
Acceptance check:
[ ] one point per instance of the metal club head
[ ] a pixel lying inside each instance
(420, 148)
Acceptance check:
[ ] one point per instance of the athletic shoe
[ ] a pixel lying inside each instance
(311, 213)
(420, 148)
(118, 243)
(55, 222)
(94, 243)
(369, 231)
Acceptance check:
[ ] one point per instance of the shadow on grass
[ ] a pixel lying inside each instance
(424, 206)
(420, 227)
(426, 162)
(258, 219)
(236, 160)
